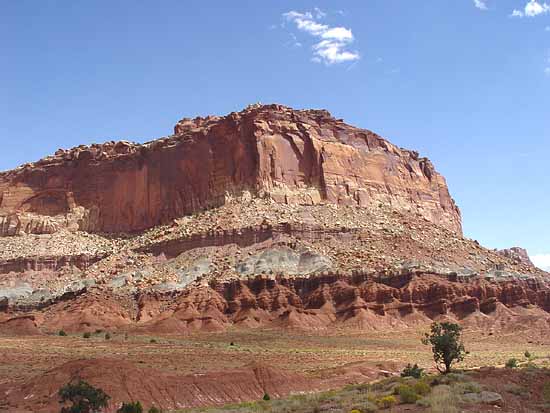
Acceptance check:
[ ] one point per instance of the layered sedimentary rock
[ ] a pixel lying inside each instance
(517, 254)
(291, 156)
(359, 302)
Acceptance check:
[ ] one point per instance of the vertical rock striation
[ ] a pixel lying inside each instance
(291, 156)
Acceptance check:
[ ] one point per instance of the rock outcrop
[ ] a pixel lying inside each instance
(517, 254)
(323, 302)
(291, 156)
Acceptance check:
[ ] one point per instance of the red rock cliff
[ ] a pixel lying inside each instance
(292, 156)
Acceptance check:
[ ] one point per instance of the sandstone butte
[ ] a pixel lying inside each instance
(266, 218)
(304, 157)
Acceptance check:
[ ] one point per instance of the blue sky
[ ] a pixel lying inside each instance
(465, 82)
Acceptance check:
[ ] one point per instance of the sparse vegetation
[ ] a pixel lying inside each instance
(154, 410)
(512, 363)
(527, 355)
(407, 395)
(266, 397)
(131, 407)
(412, 371)
(62, 333)
(83, 398)
(516, 390)
(447, 347)
(86, 335)
(386, 402)
(422, 388)
(107, 336)
(442, 400)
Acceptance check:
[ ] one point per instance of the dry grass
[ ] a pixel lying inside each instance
(308, 353)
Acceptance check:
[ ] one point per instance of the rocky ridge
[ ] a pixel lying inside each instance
(128, 236)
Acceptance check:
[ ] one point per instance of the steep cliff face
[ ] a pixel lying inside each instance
(292, 156)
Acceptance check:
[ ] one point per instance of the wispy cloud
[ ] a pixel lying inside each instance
(547, 29)
(481, 4)
(542, 261)
(332, 42)
(533, 8)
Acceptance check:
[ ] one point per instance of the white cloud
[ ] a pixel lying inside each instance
(319, 14)
(340, 34)
(547, 29)
(480, 4)
(542, 261)
(532, 8)
(333, 43)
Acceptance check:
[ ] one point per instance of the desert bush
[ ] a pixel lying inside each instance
(447, 347)
(154, 410)
(107, 336)
(266, 397)
(86, 335)
(516, 390)
(407, 395)
(451, 378)
(442, 400)
(511, 363)
(467, 387)
(152, 341)
(527, 355)
(546, 392)
(386, 402)
(83, 398)
(62, 333)
(421, 388)
(412, 371)
(131, 407)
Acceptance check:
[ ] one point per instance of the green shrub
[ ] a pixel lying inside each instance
(154, 410)
(62, 333)
(546, 392)
(511, 364)
(407, 395)
(83, 398)
(421, 388)
(386, 402)
(86, 335)
(447, 346)
(107, 336)
(152, 341)
(468, 387)
(131, 407)
(527, 354)
(412, 371)
(266, 397)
